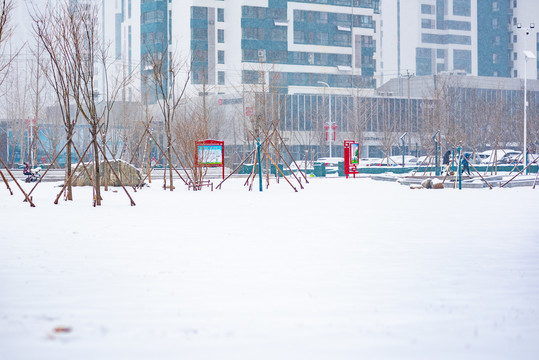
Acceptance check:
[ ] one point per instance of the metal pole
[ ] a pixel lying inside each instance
(403, 146)
(460, 162)
(527, 55)
(436, 163)
(259, 164)
(524, 152)
(330, 127)
(329, 120)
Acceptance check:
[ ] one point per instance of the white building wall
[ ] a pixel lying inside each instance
(526, 13)
(399, 43)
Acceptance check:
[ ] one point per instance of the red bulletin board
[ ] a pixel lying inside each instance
(351, 157)
(210, 153)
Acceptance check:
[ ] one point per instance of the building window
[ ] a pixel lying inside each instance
(200, 34)
(427, 23)
(220, 57)
(495, 6)
(496, 41)
(278, 34)
(153, 16)
(495, 23)
(250, 33)
(220, 36)
(199, 76)
(515, 56)
(462, 7)
(277, 13)
(299, 37)
(494, 58)
(220, 15)
(153, 38)
(427, 9)
(324, 38)
(198, 12)
(252, 77)
(515, 73)
(515, 38)
(220, 77)
(440, 53)
(462, 60)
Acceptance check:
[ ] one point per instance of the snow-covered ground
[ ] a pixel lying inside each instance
(344, 269)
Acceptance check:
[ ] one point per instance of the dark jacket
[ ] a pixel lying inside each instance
(446, 157)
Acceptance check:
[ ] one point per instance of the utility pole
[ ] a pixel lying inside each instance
(408, 125)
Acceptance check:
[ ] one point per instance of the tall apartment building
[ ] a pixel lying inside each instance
(476, 37)
(506, 28)
(299, 45)
(295, 45)
(121, 31)
(525, 13)
(427, 37)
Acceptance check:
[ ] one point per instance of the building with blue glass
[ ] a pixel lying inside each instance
(294, 45)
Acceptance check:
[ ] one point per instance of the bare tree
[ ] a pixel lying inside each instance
(388, 129)
(52, 28)
(6, 31)
(165, 77)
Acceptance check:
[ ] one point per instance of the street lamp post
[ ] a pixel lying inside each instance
(527, 55)
(329, 121)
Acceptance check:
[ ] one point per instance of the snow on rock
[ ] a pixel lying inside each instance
(123, 173)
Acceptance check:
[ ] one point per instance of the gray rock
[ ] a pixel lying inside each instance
(128, 174)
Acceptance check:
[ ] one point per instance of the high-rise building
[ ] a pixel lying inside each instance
(300, 45)
(427, 37)
(295, 45)
(495, 39)
(525, 37)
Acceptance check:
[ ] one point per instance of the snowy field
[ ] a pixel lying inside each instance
(344, 269)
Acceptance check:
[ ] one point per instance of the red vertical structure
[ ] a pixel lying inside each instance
(351, 157)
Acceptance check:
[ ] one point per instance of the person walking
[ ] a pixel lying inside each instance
(446, 161)
(466, 164)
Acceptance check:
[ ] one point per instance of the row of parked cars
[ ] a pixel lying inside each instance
(489, 157)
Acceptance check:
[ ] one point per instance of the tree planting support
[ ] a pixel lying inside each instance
(403, 146)
(459, 167)
(436, 161)
(17, 183)
(260, 164)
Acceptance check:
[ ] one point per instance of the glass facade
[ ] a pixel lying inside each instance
(264, 38)
(494, 41)
(153, 40)
(446, 39)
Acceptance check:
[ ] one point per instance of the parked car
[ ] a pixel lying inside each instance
(500, 156)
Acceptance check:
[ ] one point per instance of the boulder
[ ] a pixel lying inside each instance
(128, 174)
(427, 183)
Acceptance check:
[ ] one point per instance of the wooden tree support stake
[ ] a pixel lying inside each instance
(27, 198)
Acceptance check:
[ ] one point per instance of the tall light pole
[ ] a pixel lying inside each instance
(527, 55)
(329, 121)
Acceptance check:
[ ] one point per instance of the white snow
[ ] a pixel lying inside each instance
(344, 269)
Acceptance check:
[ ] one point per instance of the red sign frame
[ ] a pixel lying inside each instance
(206, 145)
(350, 159)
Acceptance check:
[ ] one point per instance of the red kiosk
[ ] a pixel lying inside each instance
(210, 153)
(351, 157)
